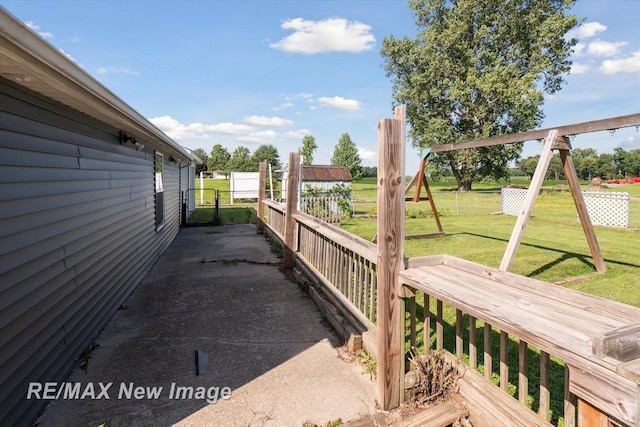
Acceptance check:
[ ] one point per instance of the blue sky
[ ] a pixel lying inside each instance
(251, 72)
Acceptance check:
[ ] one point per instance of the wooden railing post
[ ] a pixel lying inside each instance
(292, 205)
(261, 189)
(390, 257)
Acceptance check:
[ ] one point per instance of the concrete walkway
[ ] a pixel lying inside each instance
(216, 290)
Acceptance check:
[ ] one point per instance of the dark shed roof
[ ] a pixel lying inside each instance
(325, 173)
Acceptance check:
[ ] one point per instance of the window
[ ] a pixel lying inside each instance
(159, 190)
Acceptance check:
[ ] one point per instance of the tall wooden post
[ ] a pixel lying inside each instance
(390, 338)
(293, 172)
(261, 190)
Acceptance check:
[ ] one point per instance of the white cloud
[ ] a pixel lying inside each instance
(586, 30)
(631, 143)
(283, 106)
(366, 154)
(44, 34)
(333, 34)
(578, 68)
(624, 65)
(579, 48)
(304, 95)
(116, 70)
(297, 134)
(267, 121)
(258, 137)
(339, 103)
(180, 131)
(602, 48)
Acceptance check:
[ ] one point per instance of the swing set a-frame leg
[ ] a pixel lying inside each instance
(562, 144)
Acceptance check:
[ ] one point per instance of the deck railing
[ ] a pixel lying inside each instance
(570, 357)
(342, 263)
(518, 324)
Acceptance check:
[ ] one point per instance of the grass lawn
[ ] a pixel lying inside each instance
(238, 213)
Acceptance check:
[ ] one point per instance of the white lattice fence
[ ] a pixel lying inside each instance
(513, 200)
(612, 209)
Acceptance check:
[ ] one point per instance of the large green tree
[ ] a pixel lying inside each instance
(240, 160)
(479, 68)
(218, 159)
(309, 146)
(266, 152)
(346, 154)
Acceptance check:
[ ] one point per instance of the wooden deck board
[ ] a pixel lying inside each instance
(554, 319)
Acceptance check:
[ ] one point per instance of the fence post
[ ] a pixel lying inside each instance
(293, 173)
(261, 190)
(216, 194)
(390, 334)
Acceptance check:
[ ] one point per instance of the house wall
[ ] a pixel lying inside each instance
(77, 234)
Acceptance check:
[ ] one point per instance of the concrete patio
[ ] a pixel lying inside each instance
(266, 357)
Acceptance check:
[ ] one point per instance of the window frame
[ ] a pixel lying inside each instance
(158, 187)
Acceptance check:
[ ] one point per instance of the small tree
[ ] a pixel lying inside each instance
(205, 159)
(346, 154)
(309, 146)
(218, 159)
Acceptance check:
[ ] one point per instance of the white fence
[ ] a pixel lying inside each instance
(604, 208)
(612, 209)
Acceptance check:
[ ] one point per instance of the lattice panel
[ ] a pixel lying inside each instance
(612, 209)
(513, 200)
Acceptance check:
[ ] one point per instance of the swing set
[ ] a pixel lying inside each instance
(558, 138)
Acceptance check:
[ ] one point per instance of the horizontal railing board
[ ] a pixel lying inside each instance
(350, 241)
(622, 312)
(608, 391)
(488, 405)
(537, 326)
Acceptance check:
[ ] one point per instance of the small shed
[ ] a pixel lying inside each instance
(320, 177)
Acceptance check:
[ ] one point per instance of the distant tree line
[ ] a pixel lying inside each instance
(220, 160)
(590, 164)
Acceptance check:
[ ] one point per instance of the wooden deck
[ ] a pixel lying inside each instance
(557, 321)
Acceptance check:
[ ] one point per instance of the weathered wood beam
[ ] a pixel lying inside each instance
(581, 207)
(622, 344)
(530, 200)
(292, 206)
(262, 173)
(390, 259)
(573, 129)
